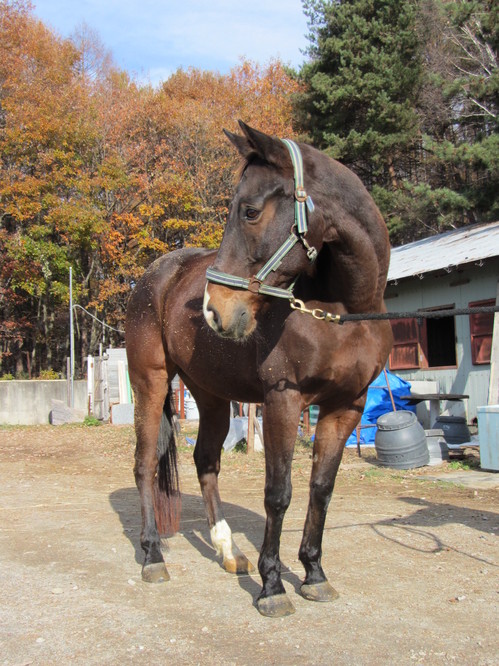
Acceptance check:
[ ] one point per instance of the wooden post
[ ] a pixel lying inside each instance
(306, 421)
(251, 428)
(389, 390)
(182, 405)
(494, 359)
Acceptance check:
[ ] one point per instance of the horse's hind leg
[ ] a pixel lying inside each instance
(332, 432)
(149, 376)
(213, 427)
(150, 395)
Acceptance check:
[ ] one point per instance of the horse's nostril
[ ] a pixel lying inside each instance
(236, 324)
(243, 318)
(215, 320)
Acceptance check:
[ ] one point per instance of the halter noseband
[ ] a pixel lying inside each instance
(300, 227)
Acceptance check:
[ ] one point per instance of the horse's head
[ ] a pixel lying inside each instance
(265, 245)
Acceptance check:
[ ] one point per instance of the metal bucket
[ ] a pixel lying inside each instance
(400, 441)
(456, 431)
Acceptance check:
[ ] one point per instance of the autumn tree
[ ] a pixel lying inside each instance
(37, 161)
(102, 174)
(167, 175)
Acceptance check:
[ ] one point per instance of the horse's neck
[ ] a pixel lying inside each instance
(351, 270)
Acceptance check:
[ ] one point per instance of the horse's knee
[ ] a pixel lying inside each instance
(206, 461)
(321, 490)
(277, 499)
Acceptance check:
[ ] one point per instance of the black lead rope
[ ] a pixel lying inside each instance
(420, 314)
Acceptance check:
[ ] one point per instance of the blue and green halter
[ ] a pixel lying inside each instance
(303, 203)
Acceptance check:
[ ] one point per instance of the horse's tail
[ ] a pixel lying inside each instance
(167, 503)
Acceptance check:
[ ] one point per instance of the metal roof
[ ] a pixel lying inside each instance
(445, 252)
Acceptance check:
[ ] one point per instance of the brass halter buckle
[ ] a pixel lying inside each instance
(301, 195)
(317, 313)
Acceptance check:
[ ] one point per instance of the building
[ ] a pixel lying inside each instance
(454, 270)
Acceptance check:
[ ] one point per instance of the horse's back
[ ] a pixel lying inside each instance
(153, 295)
(162, 275)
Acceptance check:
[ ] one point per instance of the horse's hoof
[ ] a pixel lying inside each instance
(277, 605)
(155, 573)
(238, 565)
(319, 592)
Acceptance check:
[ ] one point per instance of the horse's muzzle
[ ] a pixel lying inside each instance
(230, 318)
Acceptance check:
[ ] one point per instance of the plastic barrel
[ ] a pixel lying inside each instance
(191, 410)
(437, 446)
(400, 441)
(456, 431)
(313, 414)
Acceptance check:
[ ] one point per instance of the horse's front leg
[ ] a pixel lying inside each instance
(333, 429)
(213, 429)
(280, 418)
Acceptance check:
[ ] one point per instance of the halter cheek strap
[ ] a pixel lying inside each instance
(302, 200)
(303, 203)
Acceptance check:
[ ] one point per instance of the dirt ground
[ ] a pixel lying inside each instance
(415, 560)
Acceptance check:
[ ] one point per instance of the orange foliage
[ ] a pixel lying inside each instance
(103, 174)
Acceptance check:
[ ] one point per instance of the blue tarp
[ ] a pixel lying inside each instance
(378, 403)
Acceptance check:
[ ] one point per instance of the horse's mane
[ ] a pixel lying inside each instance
(240, 169)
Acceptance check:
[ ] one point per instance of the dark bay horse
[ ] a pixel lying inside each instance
(253, 322)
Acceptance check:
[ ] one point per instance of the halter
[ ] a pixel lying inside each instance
(303, 202)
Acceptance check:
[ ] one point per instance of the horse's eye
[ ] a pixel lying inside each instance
(251, 213)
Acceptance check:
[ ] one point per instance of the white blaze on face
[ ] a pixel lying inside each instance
(207, 314)
(221, 538)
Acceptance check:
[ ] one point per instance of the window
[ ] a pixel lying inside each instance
(481, 327)
(441, 342)
(424, 343)
(405, 350)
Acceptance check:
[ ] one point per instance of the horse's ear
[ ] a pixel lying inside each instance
(255, 143)
(241, 143)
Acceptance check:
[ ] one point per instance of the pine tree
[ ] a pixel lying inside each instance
(406, 94)
(459, 111)
(362, 82)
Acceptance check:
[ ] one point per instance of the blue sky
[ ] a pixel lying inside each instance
(153, 38)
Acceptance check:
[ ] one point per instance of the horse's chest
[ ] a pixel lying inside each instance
(320, 361)
(305, 374)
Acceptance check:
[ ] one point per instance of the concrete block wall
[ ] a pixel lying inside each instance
(29, 402)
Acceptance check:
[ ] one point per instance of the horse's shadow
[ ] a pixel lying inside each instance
(431, 514)
(194, 528)
(400, 531)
